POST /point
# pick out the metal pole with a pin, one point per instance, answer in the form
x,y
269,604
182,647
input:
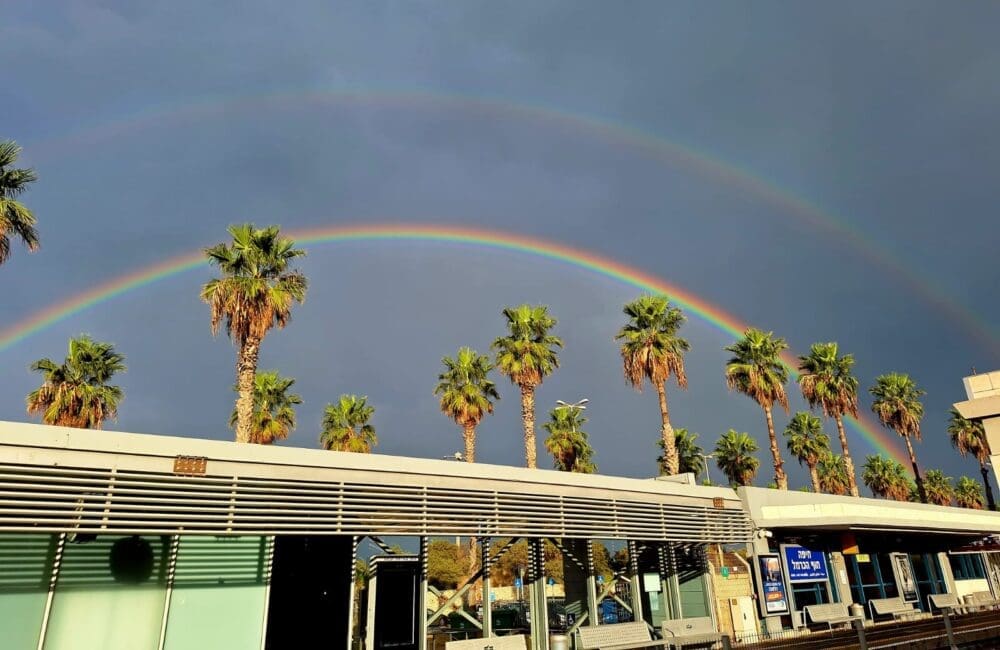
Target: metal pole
x,y
633,568
592,604
353,591
422,597
859,627
538,604
171,570
946,615
57,557
487,603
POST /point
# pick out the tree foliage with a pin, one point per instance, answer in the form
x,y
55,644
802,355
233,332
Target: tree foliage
x,y
273,408
689,454
886,478
968,493
938,488
734,456
466,393
76,392
832,473
568,442
16,220
807,442
347,427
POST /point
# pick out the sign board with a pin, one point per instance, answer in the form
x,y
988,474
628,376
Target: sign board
x,y
724,571
864,557
772,595
804,565
600,579
905,582
517,583
651,582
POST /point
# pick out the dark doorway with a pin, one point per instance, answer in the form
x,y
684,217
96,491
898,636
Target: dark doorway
x,y
310,593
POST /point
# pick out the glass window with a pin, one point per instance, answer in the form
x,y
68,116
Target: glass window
x,y
967,566
25,571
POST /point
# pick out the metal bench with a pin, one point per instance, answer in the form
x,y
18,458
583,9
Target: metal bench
x,y
618,636
829,613
895,607
943,601
518,642
692,631
980,600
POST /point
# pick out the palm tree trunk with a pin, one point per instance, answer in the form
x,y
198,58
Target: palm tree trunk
x,y
528,418
469,435
814,475
670,459
986,483
852,482
916,470
779,465
246,370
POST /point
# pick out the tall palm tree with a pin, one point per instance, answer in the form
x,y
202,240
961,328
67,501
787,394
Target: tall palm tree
x,y
527,355
567,441
346,426
897,406
826,381
969,437
254,294
690,455
968,494
734,456
756,371
807,442
832,473
651,349
76,393
15,218
938,488
273,408
467,393
885,478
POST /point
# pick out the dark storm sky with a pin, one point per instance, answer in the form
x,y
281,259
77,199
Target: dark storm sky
x,y
154,125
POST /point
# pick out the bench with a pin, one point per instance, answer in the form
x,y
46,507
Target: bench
x,y
692,631
829,613
980,600
895,607
518,642
943,601
617,636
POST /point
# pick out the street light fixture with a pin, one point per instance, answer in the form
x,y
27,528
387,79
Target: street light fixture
x,y
708,476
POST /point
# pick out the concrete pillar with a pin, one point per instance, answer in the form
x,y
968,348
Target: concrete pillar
x,y
839,577
536,594
636,580
575,579
949,578
422,597
484,544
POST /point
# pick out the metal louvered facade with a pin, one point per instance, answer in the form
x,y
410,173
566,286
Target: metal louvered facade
x,y
60,480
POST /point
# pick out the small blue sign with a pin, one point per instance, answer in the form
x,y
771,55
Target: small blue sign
x,y
552,581
804,565
517,582
600,580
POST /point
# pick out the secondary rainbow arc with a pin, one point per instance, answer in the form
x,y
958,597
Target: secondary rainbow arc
x,y
579,258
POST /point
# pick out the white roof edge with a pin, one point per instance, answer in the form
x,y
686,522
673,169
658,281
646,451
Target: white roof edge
x,y
44,436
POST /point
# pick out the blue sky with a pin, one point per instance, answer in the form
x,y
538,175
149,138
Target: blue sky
x,y
883,115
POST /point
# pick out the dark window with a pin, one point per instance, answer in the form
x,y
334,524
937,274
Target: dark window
x,y
967,566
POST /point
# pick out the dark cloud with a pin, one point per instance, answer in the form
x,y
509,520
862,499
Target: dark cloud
x,y
152,129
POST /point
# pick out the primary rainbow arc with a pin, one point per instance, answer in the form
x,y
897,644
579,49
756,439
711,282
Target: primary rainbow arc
x,y
587,260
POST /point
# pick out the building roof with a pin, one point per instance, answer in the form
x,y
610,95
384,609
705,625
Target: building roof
x,y
64,480
776,509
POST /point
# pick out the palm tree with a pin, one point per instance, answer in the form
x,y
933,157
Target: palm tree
x,y
969,437
885,478
938,488
567,441
651,349
15,219
346,426
897,406
273,408
807,442
76,392
968,494
255,294
756,371
734,456
690,456
832,473
527,355
826,381
467,393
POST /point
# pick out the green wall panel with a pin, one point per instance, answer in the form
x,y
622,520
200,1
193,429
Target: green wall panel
x,y
110,595
694,597
218,595
25,570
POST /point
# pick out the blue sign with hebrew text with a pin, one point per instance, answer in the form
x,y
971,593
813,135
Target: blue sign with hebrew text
x,y
804,565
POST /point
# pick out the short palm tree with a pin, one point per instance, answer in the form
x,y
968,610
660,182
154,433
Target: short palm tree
x,y
734,456
651,349
76,393
467,393
826,381
832,473
807,442
16,219
938,488
255,293
690,455
969,437
527,355
346,426
968,494
897,406
756,371
886,478
273,408
567,441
